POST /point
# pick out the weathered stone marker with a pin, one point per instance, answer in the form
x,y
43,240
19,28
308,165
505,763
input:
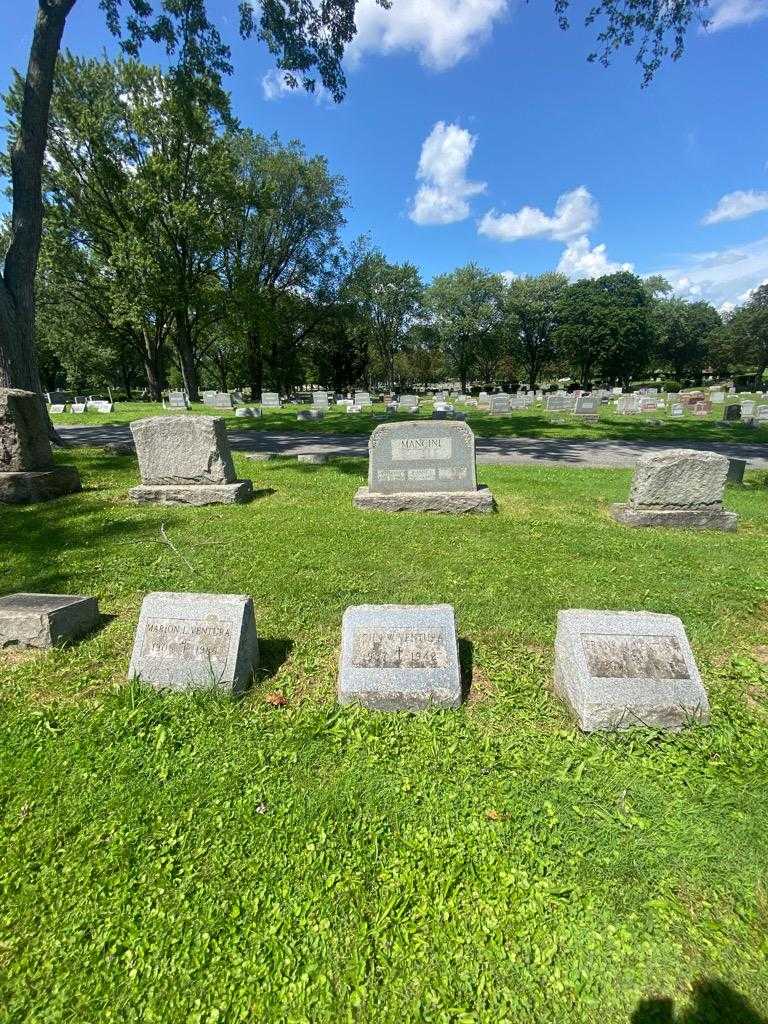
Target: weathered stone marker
x,y
186,461
195,642
270,400
678,488
620,669
42,620
398,657
423,466
27,470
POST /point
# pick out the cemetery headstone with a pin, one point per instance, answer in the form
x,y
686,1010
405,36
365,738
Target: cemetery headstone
x,y
747,409
60,397
27,470
678,410
42,620
78,407
270,399
178,400
423,466
717,397
499,405
362,398
616,670
247,412
731,413
313,458
186,461
400,657
320,399
56,408
678,488
736,468
195,642
587,405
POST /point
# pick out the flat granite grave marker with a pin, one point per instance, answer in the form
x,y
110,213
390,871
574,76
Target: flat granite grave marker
x,y
195,642
186,461
620,669
42,620
27,470
678,488
423,466
400,657
270,399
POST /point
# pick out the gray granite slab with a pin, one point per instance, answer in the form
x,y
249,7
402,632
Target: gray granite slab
x,y
237,493
24,442
419,456
195,642
183,450
447,502
616,670
30,488
400,657
42,620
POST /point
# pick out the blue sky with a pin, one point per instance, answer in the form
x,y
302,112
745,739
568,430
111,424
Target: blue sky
x,y
476,130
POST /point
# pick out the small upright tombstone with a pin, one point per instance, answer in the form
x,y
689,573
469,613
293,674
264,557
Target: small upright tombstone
x,y
320,399
423,466
398,657
270,399
499,405
731,413
195,642
177,400
616,670
43,620
27,470
678,488
186,461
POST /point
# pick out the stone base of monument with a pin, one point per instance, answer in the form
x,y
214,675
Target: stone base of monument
x,y
681,518
43,485
192,494
42,620
616,670
448,502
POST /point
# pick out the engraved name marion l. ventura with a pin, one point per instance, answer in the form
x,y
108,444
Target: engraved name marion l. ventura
x,y
189,639
399,648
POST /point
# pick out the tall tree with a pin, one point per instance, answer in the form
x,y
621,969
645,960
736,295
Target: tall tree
x,y
281,227
685,330
531,306
389,299
304,37
467,307
747,334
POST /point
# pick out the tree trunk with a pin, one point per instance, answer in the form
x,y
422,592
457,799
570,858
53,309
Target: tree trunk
x,y
18,358
185,348
255,363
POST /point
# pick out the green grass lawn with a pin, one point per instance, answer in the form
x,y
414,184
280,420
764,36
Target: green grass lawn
x,y
191,860
528,423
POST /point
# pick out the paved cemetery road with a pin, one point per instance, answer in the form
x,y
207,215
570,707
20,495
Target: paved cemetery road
x,y
520,451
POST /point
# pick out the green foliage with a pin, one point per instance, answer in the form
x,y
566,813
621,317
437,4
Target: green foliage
x,y
533,305
194,859
467,308
685,332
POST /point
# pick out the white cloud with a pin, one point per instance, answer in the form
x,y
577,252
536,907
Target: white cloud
x,y
576,213
274,86
737,206
723,278
730,13
581,259
441,32
445,155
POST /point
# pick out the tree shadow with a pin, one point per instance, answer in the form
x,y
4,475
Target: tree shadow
x,y
712,1002
466,661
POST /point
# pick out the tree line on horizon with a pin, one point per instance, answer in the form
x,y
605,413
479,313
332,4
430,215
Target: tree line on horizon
x,y
180,249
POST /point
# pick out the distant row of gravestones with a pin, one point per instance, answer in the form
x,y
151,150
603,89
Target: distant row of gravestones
x,y
613,669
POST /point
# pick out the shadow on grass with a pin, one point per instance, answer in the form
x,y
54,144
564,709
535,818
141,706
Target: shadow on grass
x,y
466,661
273,653
713,1002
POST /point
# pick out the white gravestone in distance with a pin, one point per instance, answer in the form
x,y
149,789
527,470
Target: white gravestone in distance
x,y
620,669
177,400
423,466
186,461
499,405
270,400
400,657
678,488
56,408
42,620
195,642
